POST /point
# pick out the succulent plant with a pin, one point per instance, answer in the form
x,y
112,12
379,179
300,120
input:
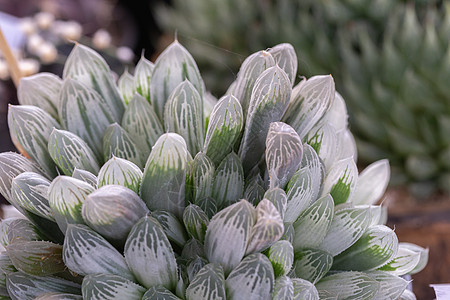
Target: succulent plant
x,y
174,195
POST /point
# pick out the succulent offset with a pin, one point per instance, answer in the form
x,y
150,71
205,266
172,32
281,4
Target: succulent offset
x,y
153,189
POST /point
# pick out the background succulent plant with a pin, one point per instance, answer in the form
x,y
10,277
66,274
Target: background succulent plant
x,y
172,194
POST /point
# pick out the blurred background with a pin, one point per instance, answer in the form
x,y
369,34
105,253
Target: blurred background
x,y
390,60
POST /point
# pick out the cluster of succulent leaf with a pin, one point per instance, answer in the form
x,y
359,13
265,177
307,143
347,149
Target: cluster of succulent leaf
x,y
391,60
153,189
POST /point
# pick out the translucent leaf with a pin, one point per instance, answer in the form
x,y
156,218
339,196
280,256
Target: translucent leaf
x,y
59,296
252,279
311,264
117,142
286,58
126,86
407,295
172,227
85,113
159,293
122,172
347,227
88,67
195,266
149,255
228,186
372,183
4,229
391,286
278,198
37,258
299,194
29,191
403,263
423,256
337,115
31,127
173,66
66,196
201,176
142,124
19,230
269,100
268,227
325,142
312,161
85,176
109,286
375,248
163,183
281,255
346,145
347,285
303,289
313,224
85,252
69,151
283,289
224,128
209,283
208,205
112,211
284,151
195,221
142,77
40,90
228,234
183,114
341,180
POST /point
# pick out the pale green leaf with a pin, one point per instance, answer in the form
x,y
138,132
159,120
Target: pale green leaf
x,y
122,172
325,142
171,226
142,77
209,283
312,161
304,290
286,58
278,198
347,285
126,86
391,286
300,194
341,180
281,255
228,186
195,221
283,289
337,115
423,256
311,264
159,293
372,183
117,142
19,230
346,145
109,286
85,176
200,180
59,296
403,263
208,205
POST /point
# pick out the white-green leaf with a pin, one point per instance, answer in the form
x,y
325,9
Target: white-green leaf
x,y
313,224
372,183
375,248
66,196
337,115
59,296
228,184
149,255
423,256
18,230
117,142
4,231
341,180
228,234
284,151
201,176
347,285
286,58
304,290
163,183
208,205
403,263
325,142
126,86
31,127
195,266
195,221
407,295
209,283
88,67
172,227
69,151
312,161
309,104
173,66
109,286
300,194
346,145
252,279
159,293
254,190
86,252
311,264
183,114
269,100
224,128
391,286
112,211
278,198
281,255
40,90
85,176
122,172
283,289
142,77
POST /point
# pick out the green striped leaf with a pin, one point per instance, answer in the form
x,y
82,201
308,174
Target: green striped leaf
x,y
112,211
413,247
209,283
86,252
286,58
347,285
117,142
341,180
149,255
173,66
313,224
4,228
195,221
228,186
284,151
312,99
122,172
209,101
26,287
109,286
403,263
372,183
126,86
69,151
66,196
304,290
31,127
37,258
268,228
324,140
159,293
85,113
228,234
40,90
347,227
254,190
299,194
166,167
142,77
288,232
281,255
269,100
391,286
6,267
19,230
195,266
252,279
142,124
88,67
311,264
200,179
283,289
192,250
59,296
172,227
374,249
278,198
85,176
29,191
224,128
312,161
208,205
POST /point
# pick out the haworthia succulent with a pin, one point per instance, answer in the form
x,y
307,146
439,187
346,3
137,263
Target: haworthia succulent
x,y
278,198
59,296
408,295
283,289
110,286
120,171
303,289
372,183
423,255
195,221
209,283
403,263
341,180
281,255
85,176
142,76
324,140
312,161
391,286
195,266
286,58
254,189
311,264
19,230
158,293
201,176
337,115
126,86
346,145
149,255
171,226
228,186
